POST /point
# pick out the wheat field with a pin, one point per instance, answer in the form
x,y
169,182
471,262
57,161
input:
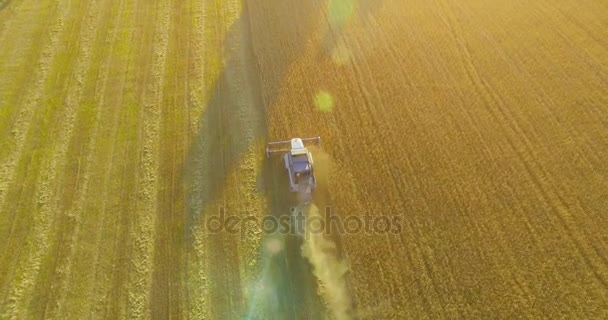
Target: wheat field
x,y
481,126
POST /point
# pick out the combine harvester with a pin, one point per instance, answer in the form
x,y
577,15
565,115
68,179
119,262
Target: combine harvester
x,y
299,164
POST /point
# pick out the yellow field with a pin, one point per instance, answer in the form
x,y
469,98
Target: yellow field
x,y
481,126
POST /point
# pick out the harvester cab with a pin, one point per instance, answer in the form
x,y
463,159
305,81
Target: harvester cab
x,y
298,162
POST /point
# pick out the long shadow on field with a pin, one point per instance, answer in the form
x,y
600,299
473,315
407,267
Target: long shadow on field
x,y
259,48
235,117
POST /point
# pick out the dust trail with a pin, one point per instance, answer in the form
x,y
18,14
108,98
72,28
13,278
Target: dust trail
x,y
320,249
328,267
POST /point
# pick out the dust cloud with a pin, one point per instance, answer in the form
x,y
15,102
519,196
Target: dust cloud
x,y
329,268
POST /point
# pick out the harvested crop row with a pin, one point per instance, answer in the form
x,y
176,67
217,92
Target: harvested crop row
x,y
29,248
143,230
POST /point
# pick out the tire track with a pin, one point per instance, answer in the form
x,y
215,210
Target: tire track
x,y
375,122
392,51
543,189
535,171
411,153
544,98
517,281
545,174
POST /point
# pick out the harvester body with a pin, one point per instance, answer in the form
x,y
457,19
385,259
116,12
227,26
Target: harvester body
x,y
298,162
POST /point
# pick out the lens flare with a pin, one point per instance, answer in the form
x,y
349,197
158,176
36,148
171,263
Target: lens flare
x,y
341,54
274,246
324,101
340,11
